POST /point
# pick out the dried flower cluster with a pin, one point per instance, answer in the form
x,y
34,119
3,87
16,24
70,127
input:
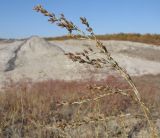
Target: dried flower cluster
x,y
61,21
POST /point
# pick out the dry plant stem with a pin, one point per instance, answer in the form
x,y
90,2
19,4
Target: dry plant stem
x,y
122,122
125,75
122,72
22,112
100,96
64,23
137,95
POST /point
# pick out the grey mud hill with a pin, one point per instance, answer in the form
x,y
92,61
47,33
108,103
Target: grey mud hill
x,y
38,59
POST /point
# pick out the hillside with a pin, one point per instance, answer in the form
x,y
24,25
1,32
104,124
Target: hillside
x,y
38,59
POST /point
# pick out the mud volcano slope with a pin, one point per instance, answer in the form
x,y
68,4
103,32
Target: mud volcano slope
x,y
35,50
37,59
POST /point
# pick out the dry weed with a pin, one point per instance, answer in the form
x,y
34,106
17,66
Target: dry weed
x,y
84,57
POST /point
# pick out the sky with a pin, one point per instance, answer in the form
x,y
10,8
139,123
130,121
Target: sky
x,y
18,20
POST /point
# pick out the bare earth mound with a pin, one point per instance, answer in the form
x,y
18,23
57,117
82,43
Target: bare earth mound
x,y
38,59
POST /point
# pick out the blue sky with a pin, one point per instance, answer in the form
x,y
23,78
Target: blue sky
x,y
18,20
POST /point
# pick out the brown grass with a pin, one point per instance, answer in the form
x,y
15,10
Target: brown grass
x,y
153,39
28,109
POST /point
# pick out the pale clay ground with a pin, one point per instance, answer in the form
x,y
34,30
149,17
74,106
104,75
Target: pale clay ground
x,y
38,59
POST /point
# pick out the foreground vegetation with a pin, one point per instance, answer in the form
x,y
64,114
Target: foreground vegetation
x,y
143,38
40,109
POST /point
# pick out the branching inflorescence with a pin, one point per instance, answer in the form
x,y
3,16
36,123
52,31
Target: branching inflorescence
x,y
84,57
